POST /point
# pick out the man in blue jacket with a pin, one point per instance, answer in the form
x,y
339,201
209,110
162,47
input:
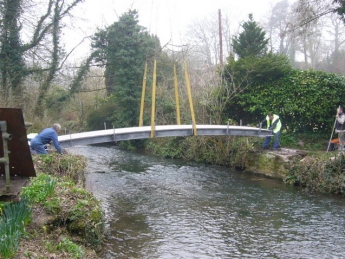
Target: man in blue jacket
x,y
46,136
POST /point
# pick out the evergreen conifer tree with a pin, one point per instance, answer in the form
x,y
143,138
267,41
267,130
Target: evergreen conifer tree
x,y
123,49
250,42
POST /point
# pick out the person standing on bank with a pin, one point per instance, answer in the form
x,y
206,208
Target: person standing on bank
x,y
46,136
340,127
274,124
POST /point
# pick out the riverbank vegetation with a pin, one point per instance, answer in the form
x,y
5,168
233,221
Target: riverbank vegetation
x,y
221,150
55,216
322,172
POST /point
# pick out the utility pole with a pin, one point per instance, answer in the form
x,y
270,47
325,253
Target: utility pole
x,y
220,38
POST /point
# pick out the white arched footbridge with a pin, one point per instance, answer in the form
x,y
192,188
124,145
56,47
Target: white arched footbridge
x,y
119,134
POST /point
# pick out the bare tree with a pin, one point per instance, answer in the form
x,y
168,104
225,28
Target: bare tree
x,y
301,31
203,38
279,26
30,44
335,33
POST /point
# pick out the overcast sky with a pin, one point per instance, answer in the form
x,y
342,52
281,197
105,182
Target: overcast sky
x,y
168,19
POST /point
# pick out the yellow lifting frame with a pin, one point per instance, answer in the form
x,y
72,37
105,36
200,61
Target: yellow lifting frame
x,y
153,110
190,98
143,97
177,100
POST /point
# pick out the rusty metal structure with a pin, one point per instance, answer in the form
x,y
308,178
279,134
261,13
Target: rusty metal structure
x,y
16,165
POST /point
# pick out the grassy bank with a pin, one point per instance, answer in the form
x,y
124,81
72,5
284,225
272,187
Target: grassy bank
x,y
62,220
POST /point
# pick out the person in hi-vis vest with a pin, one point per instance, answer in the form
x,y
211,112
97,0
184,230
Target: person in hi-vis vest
x,y
274,124
340,127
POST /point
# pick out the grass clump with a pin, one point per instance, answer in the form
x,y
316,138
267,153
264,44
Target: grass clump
x,y
70,247
68,166
40,189
66,246
15,216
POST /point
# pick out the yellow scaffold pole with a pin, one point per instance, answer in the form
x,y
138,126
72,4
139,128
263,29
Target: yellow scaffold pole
x,y
143,97
153,101
190,98
177,100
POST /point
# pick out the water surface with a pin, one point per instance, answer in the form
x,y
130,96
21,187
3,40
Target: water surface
x,y
160,208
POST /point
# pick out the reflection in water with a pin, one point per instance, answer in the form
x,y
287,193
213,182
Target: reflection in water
x,y
159,208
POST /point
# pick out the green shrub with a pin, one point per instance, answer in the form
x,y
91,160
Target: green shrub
x,y
298,98
320,173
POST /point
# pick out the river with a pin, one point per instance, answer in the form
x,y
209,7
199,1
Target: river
x,y
161,208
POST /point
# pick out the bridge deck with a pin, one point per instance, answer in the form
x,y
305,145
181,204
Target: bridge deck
x,y
113,135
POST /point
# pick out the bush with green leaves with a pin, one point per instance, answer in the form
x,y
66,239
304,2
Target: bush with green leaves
x,y
305,100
